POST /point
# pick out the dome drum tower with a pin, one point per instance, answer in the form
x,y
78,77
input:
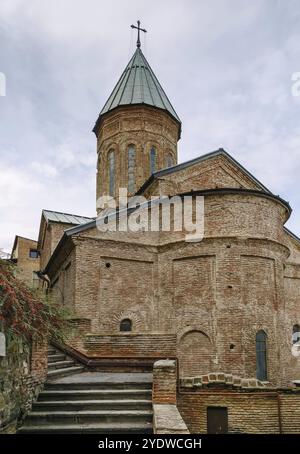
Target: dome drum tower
x,y
137,130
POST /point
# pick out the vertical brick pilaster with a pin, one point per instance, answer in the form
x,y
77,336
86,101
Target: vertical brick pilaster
x,y
164,382
39,359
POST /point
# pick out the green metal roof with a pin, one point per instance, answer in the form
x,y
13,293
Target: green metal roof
x,y
65,218
138,85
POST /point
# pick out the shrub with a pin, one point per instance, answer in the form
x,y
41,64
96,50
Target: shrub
x,y
25,313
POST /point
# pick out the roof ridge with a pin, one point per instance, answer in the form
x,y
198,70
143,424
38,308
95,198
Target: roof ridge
x,y
192,161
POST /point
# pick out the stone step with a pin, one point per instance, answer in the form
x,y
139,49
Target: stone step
x,y
52,351
70,417
100,428
100,394
64,371
84,405
98,385
61,364
56,357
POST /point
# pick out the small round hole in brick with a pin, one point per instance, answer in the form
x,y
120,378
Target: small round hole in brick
x,y
108,265
232,346
228,246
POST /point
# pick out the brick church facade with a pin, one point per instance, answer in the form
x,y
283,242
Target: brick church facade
x,y
226,308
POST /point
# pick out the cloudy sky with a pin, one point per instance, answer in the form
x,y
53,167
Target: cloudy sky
x,y
226,65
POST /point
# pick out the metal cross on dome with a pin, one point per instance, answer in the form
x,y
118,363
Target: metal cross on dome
x,y
138,42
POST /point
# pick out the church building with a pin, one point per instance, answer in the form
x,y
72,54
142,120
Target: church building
x,y
225,310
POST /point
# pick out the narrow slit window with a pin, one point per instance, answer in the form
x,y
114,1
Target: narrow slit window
x,y
169,160
111,173
153,160
261,356
131,168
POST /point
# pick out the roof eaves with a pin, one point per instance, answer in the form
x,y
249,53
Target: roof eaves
x,y
250,175
293,235
102,115
64,218
80,228
15,244
55,253
23,238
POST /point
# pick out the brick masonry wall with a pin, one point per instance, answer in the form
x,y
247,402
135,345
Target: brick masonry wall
x,y
53,233
291,316
106,277
213,295
215,317
290,412
256,412
39,359
164,382
143,127
131,345
247,413
63,288
196,291
216,172
25,264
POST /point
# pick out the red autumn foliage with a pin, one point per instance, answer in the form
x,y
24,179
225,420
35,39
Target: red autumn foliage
x,y
25,313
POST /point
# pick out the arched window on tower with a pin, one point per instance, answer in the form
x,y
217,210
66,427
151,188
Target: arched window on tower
x,y
126,325
99,176
152,160
131,168
296,333
111,172
261,355
169,160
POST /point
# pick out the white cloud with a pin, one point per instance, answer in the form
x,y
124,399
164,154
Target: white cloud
x,y
226,65
44,169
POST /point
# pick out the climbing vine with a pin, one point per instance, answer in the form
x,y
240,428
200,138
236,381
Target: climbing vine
x,y
25,313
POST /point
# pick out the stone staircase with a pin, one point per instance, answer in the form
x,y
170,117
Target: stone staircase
x,y
90,402
59,365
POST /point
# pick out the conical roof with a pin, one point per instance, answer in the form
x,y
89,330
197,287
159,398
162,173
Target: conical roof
x,y
138,85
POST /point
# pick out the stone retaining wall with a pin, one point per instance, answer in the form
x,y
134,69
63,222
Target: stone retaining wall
x,y
22,373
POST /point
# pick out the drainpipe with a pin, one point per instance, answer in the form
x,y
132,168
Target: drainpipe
x,y
44,278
